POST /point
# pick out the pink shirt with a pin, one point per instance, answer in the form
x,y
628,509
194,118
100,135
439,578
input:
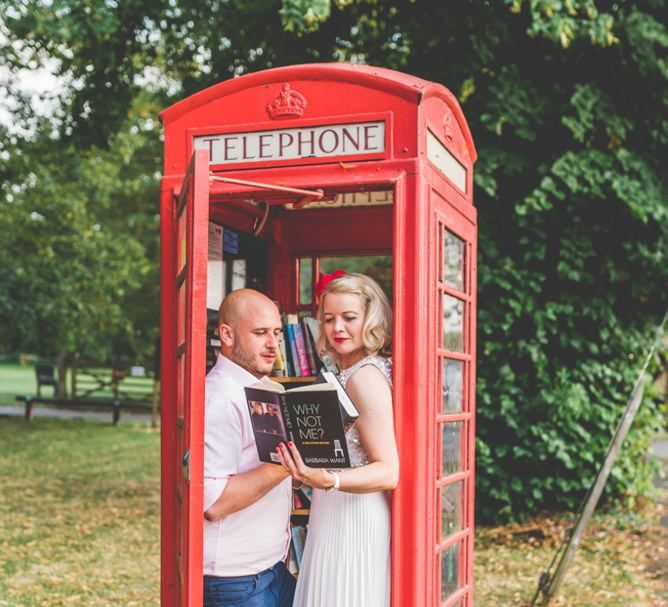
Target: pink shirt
x,y
257,537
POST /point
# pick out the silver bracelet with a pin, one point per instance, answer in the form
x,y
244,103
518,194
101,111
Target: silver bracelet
x,y
337,481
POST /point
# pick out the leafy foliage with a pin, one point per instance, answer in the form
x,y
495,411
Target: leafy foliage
x,y
77,250
566,100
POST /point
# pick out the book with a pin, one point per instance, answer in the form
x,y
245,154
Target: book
x,y
304,366
349,411
300,499
292,344
215,278
280,363
314,329
298,541
293,567
313,360
238,274
283,349
310,416
213,343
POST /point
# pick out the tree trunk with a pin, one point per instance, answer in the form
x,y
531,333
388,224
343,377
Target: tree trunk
x,y
62,375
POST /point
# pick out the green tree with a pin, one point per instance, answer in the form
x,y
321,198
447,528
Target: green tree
x,y
79,226
73,254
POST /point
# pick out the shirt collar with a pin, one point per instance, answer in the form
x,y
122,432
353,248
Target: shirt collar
x,y
225,365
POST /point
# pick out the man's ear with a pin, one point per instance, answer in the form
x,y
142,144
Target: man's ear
x,y
226,334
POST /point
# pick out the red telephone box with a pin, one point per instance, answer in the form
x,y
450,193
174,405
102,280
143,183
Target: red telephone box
x,y
303,169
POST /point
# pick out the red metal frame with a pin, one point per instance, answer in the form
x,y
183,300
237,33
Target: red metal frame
x,y
425,198
183,425
444,219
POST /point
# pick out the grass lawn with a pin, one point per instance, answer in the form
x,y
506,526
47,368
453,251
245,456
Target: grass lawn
x,y
79,514
79,527
18,379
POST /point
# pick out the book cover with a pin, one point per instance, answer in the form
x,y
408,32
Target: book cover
x,y
301,501
293,567
294,356
309,416
238,274
285,354
215,281
304,366
298,541
280,362
314,329
313,359
213,343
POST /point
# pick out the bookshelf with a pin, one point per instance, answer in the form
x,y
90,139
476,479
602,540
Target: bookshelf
x,y
295,380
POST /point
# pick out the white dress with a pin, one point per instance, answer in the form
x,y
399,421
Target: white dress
x,y
346,561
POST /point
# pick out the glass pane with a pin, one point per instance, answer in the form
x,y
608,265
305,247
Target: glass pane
x,y
451,448
180,385
452,507
181,314
379,267
452,386
453,261
305,280
450,574
181,261
453,324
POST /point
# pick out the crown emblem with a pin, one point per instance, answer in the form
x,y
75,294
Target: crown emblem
x,y
447,127
288,104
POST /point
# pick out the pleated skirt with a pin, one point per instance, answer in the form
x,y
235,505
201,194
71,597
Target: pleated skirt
x,y
346,561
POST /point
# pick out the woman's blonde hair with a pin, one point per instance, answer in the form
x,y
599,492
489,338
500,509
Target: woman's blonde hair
x,y
377,327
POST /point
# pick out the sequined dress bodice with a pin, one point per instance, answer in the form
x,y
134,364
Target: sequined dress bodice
x,y
358,456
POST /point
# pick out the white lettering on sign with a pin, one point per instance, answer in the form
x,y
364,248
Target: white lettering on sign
x,y
445,162
294,144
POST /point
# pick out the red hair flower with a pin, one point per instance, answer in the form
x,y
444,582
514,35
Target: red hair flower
x,y
325,279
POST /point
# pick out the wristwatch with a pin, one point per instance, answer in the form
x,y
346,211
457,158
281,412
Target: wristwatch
x,y
337,481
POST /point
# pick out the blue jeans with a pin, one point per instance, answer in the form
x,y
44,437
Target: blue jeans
x,y
273,587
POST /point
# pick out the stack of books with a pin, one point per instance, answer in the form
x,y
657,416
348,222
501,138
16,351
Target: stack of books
x,y
301,505
298,354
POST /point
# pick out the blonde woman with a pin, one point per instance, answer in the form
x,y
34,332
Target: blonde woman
x,y
346,561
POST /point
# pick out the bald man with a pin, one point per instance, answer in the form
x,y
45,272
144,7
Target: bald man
x,y
246,503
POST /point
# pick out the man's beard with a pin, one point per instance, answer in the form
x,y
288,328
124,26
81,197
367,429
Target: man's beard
x,y
247,360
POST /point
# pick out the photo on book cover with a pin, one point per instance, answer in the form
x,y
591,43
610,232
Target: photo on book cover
x,y
266,417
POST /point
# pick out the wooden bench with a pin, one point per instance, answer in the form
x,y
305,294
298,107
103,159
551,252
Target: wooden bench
x,y
115,406
92,381
46,376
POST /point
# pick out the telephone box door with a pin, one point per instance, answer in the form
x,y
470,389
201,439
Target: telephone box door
x,y
191,226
